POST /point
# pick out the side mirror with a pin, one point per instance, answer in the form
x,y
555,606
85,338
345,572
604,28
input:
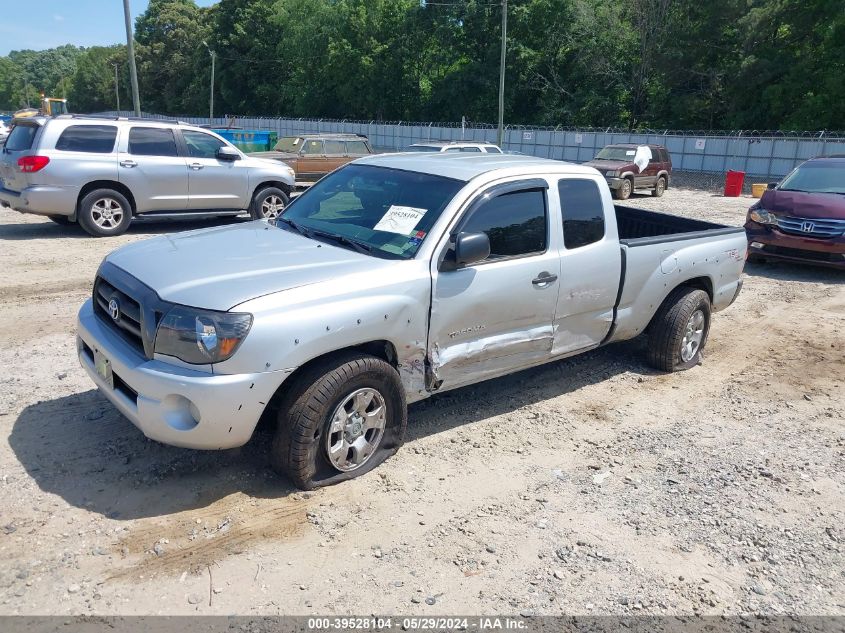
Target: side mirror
x,y
471,248
771,185
227,153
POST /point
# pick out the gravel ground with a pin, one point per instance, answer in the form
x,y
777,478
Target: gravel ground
x,y
588,486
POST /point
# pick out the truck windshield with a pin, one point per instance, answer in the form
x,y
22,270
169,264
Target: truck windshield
x,y
290,144
816,179
616,153
385,212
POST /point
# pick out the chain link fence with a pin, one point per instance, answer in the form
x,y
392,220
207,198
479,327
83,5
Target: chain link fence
x,y
700,158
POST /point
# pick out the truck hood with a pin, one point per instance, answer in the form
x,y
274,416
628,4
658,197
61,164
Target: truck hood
x,y
221,267
611,165
804,205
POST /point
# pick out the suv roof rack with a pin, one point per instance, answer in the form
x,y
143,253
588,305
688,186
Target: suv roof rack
x,y
110,117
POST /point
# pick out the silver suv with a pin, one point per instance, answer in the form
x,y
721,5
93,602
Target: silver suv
x,y
101,172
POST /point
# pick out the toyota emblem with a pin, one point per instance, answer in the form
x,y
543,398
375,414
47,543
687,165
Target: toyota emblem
x,y
114,309
808,227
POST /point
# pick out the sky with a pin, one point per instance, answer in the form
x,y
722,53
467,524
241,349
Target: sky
x,y
49,23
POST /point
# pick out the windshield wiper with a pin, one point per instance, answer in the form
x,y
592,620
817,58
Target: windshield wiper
x,y
296,227
361,247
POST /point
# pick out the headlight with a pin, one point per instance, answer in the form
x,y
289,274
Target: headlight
x,y
199,336
610,173
763,217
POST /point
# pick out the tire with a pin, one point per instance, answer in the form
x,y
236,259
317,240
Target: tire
x,y
104,212
659,188
325,393
265,203
61,220
624,192
671,346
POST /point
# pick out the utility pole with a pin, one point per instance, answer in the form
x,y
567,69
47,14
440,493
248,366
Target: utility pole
x,y
116,88
211,88
130,49
501,134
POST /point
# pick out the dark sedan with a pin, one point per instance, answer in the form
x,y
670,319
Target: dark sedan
x,y
802,218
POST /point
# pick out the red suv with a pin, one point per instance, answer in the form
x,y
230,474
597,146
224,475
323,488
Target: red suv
x,y
630,166
802,218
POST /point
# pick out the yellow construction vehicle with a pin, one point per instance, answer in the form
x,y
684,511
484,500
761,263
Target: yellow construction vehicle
x,y
50,106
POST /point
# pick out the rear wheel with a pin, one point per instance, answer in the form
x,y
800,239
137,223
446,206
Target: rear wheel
x,y
659,187
104,212
679,330
625,189
339,420
268,204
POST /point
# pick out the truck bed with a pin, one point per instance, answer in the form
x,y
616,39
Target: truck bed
x,y
638,227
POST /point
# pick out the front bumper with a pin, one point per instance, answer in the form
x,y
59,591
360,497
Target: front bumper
x,y
172,404
771,243
41,200
613,182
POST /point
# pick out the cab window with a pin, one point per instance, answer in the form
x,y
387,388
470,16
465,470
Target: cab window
x,y
583,212
516,223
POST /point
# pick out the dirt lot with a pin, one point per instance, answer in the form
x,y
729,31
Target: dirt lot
x,y
592,485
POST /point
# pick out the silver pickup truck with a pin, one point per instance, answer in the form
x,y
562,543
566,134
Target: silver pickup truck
x,y
394,278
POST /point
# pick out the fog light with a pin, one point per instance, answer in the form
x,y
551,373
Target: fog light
x,y
180,413
756,245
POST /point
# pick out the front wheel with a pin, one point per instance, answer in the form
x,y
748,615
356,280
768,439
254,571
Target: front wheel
x,y
268,204
339,420
679,330
625,190
104,212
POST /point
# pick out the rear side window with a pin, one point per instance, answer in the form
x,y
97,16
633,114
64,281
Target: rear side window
x,y
583,212
151,141
357,147
515,223
335,147
21,138
492,149
95,139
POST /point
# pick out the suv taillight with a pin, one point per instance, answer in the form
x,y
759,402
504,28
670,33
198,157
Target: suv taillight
x,y
31,164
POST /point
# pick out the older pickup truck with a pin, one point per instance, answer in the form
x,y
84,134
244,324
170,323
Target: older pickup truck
x,y
392,279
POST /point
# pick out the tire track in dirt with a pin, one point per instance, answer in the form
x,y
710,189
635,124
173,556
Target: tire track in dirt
x,y
201,537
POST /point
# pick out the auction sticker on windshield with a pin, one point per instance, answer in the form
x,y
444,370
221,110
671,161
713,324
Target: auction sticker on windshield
x,y
400,220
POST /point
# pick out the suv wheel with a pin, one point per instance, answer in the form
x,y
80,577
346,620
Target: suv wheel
x,y
659,187
625,189
104,212
339,420
268,204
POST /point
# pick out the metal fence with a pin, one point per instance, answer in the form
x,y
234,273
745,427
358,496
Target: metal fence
x,y
698,156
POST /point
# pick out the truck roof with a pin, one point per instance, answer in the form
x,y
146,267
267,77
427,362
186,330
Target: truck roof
x,y
468,166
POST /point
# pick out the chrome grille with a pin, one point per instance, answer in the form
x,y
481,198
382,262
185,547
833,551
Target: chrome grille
x,y
812,227
128,323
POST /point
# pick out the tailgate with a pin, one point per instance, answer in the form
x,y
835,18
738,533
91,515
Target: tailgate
x,y
21,142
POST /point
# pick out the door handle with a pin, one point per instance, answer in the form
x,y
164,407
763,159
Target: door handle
x,y
544,279
195,166
128,163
